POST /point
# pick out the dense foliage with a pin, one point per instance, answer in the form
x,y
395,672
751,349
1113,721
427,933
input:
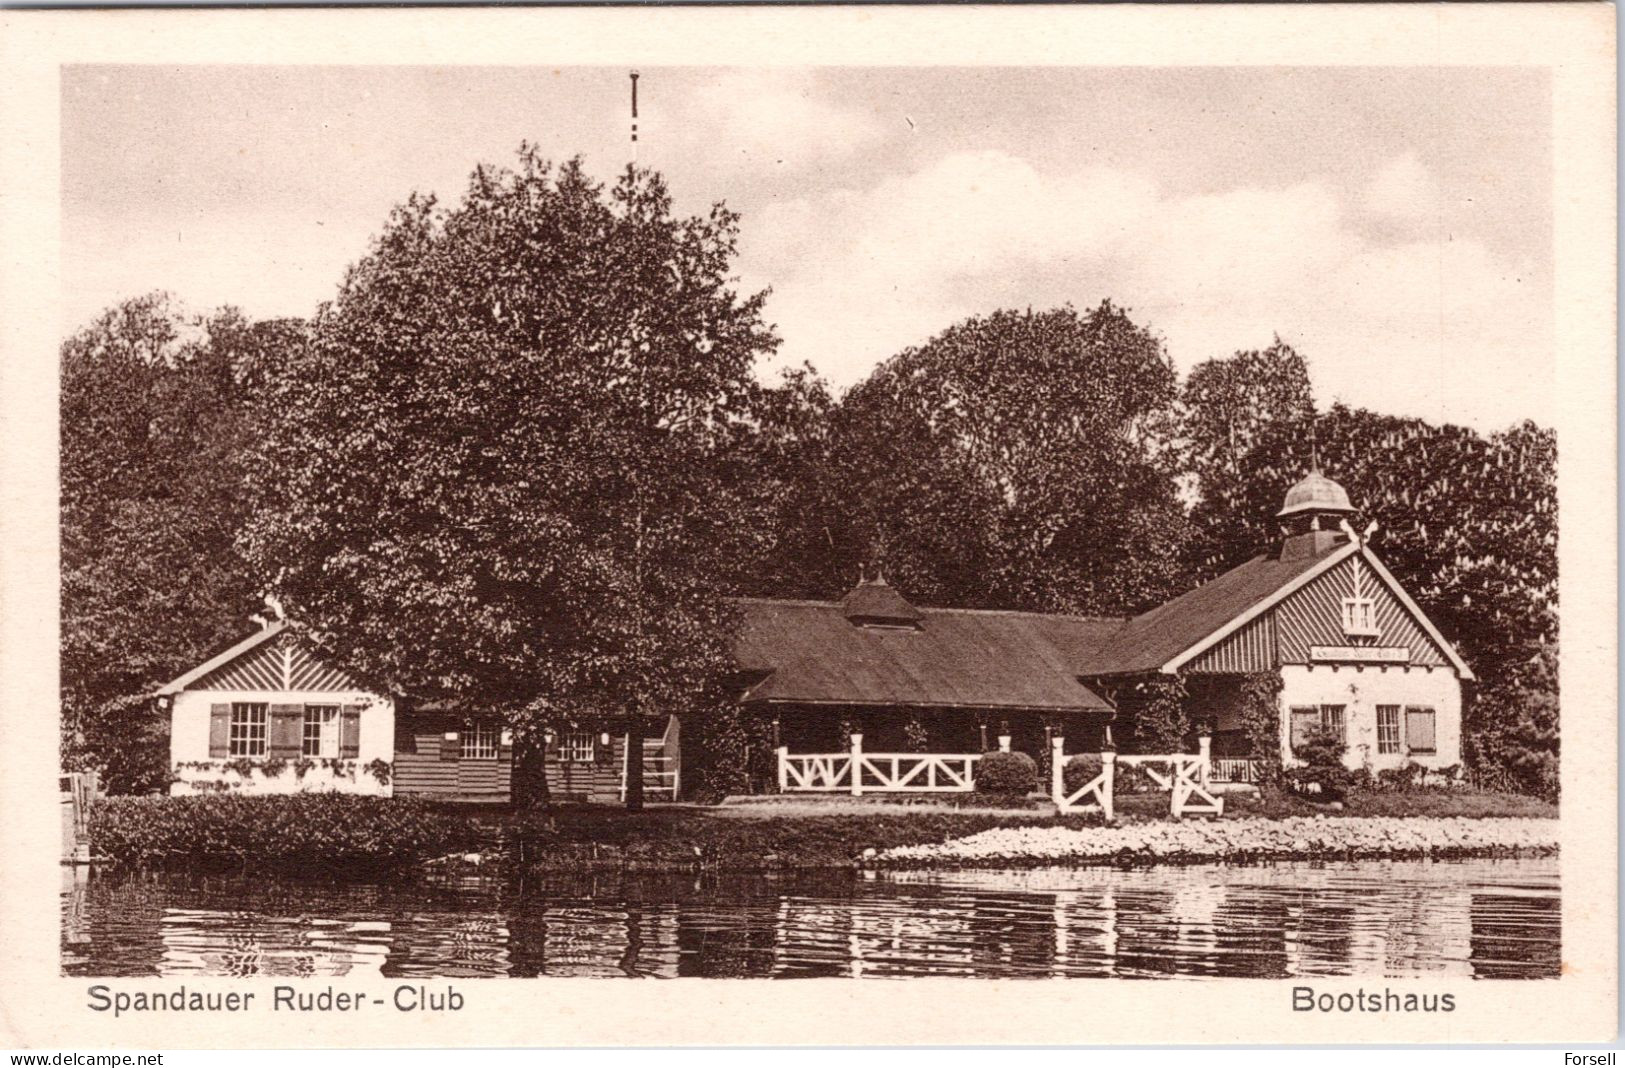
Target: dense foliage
x,y
289,834
154,417
507,469
1161,722
1321,776
1259,701
1006,773
1079,771
523,458
1017,460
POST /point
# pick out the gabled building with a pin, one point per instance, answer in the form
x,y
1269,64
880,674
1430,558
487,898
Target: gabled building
x,y
1352,650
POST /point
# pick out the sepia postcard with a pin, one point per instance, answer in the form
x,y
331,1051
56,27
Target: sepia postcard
x,y
897,520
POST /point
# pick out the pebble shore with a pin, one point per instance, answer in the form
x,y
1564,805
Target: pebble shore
x,y
1244,840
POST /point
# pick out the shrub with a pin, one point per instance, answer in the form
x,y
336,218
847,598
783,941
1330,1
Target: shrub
x,y
1006,773
1321,776
296,833
1402,779
1080,771
1133,779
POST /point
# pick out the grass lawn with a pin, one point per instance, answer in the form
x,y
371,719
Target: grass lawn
x,y
1420,804
764,836
581,836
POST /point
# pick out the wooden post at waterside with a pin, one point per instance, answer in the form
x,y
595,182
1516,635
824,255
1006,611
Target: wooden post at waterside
x,y
1204,746
1057,761
1108,767
857,764
784,769
633,763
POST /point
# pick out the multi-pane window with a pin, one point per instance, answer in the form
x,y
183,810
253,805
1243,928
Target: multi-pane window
x,y
1331,718
1359,617
1387,728
321,738
480,742
577,746
248,729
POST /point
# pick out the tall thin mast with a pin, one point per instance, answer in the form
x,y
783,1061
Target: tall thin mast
x,y
634,118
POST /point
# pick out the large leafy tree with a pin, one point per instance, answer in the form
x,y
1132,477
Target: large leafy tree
x,y
154,412
506,468
1017,460
1234,411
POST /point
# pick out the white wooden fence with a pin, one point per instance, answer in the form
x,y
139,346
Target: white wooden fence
x,y
1185,776
856,772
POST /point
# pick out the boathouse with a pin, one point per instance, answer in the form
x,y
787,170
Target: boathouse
x,y
1317,609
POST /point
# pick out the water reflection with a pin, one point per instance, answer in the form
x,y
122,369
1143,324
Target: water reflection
x,y
1489,919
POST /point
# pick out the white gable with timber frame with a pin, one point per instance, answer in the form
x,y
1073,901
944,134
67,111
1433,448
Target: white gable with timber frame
x,y
1303,623
267,661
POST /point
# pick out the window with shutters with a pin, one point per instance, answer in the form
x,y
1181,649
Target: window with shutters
x,y
1360,617
480,742
1387,728
248,729
1419,730
321,731
578,747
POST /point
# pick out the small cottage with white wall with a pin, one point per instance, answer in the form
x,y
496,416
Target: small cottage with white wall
x,y
266,717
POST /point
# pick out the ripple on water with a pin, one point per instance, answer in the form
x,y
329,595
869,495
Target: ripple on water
x,y
1483,918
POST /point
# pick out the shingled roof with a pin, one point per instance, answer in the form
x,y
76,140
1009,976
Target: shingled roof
x,y
818,651
1151,640
811,652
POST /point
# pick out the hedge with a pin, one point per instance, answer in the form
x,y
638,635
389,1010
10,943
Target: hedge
x,y
1006,773
314,832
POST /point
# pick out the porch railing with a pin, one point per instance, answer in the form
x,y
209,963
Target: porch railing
x,y
1234,769
856,772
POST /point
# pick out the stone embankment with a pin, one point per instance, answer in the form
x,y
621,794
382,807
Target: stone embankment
x,y
1195,841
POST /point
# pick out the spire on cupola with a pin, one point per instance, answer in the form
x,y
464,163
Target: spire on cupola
x,y
1314,516
1315,503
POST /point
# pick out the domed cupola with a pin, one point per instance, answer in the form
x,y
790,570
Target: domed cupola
x,y
1315,503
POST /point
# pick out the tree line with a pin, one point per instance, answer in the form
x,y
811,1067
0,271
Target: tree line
x,y
524,459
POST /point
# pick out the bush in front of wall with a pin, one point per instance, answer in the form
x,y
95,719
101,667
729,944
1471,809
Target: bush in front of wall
x,y
1322,776
301,833
1006,773
380,769
1079,771
1260,704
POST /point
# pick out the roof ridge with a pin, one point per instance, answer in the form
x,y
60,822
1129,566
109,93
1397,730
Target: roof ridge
x,y
810,603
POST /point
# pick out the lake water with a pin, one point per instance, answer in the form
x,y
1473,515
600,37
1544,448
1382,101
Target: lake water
x,y
1496,919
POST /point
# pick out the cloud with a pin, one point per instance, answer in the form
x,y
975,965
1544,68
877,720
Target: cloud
x,y
1404,189
765,117
1436,328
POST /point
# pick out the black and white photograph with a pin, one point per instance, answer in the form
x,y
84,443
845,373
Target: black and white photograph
x,y
813,521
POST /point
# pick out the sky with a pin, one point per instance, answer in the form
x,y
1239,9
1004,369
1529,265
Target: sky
x,y
1394,225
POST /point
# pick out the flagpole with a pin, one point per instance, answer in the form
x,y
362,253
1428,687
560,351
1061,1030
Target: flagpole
x,y
634,75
